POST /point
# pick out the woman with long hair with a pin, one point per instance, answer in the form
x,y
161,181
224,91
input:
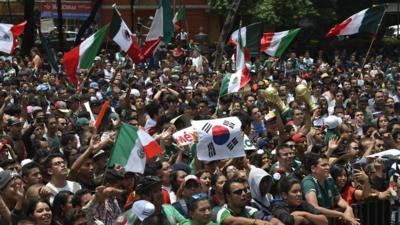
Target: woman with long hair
x,y
348,192
62,204
39,210
217,194
293,210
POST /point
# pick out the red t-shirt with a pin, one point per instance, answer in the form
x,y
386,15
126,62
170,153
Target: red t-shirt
x,y
348,194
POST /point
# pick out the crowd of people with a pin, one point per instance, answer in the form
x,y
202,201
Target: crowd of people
x,y
310,164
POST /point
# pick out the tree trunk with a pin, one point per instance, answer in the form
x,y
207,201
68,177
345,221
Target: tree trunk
x,y
60,25
88,21
132,2
230,19
29,34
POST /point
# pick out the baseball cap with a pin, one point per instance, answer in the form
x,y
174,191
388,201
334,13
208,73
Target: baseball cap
x,y
42,87
324,75
297,137
146,183
13,121
94,101
332,122
143,209
182,166
98,154
82,121
61,106
94,85
191,178
5,177
73,98
26,161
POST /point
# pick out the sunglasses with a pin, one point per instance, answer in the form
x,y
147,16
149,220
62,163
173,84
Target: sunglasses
x,y
200,196
241,191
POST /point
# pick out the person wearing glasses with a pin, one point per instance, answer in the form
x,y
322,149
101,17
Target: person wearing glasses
x,y
200,210
57,168
236,211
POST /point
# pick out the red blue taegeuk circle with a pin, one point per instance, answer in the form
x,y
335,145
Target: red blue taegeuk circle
x,y
220,134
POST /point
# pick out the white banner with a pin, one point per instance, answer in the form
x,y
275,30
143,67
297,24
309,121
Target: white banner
x,y
219,138
185,136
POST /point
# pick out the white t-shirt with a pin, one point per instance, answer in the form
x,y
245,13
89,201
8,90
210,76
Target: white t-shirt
x,y
71,186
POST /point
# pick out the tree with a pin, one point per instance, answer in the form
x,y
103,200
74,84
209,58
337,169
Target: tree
x,y
230,18
285,14
60,24
28,40
88,21
223,7
279,13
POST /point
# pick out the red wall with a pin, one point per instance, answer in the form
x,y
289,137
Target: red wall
x,y
196,14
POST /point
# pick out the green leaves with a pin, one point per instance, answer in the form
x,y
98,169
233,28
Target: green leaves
x,y
279,13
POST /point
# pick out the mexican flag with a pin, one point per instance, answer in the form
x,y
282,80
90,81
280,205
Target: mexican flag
x,y
366,21
82,56
233,82
275,44
161,29
251,36
120,34
132,148
179,18
8,34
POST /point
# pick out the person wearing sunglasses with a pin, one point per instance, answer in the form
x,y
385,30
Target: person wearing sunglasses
x,y
200,210
236,211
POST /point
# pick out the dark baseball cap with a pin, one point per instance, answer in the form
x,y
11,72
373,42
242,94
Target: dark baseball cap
x,y
13,121
146,182
5,177
73,98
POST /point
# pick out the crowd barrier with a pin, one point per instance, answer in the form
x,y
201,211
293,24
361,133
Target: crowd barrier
x,y
373,213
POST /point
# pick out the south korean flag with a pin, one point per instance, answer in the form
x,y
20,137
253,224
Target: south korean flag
x,y
219,139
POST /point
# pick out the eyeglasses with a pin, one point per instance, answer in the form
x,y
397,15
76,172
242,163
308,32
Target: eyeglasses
x,y
241,191
200,196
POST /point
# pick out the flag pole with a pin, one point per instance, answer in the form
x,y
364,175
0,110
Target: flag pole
x,y
112,151
374,36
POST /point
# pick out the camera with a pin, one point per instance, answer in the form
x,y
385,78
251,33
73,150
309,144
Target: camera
x,y
41,120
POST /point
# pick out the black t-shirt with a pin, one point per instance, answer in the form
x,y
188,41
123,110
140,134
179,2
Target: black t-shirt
x,y
281,210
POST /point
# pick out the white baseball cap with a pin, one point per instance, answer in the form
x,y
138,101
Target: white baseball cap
x,y
143,209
